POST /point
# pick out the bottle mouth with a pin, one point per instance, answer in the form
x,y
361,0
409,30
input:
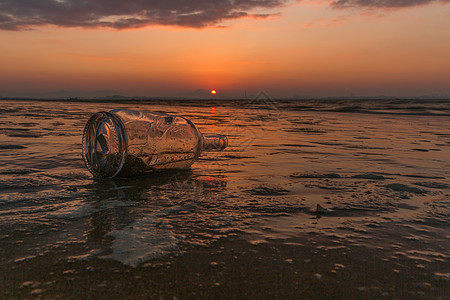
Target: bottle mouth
x,y
104,145
216,142
223,142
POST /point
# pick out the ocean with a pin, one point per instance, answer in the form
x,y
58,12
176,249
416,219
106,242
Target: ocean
x,y
316,199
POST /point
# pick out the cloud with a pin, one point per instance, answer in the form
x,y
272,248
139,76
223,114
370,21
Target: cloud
x,y
126,14
383,4
123,14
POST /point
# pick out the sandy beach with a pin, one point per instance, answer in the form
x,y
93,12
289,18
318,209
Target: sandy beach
x,y
311,200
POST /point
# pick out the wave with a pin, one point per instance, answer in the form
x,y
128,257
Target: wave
x,y
394,106
364,106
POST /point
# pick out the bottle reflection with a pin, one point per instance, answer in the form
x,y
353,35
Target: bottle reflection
x,y
140,208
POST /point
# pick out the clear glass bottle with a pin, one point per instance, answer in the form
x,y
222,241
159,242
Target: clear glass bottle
x,y
127,143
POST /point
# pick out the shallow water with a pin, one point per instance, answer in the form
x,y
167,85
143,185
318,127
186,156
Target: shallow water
x,y
369,180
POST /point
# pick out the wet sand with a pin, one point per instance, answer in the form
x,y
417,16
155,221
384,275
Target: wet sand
x,y
328,202
307,266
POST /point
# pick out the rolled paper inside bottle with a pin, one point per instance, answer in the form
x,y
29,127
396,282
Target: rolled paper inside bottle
x,y
104,145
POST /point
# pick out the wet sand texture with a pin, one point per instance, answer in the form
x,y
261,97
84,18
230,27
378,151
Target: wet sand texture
x,y
311,200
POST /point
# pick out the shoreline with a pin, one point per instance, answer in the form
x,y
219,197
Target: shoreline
x,y
309,205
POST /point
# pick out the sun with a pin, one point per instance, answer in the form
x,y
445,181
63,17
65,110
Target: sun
x,y
213,92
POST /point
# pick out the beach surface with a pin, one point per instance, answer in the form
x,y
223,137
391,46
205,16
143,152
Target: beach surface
x,y
317,199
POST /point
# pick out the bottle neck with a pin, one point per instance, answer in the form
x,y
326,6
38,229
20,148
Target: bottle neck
x,y
214,142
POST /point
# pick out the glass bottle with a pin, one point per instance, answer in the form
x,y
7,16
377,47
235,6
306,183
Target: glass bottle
x,y
126,143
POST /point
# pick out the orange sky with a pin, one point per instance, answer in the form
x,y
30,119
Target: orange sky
x,y
309,48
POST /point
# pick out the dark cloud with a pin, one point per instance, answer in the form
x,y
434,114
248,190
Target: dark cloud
x,y
121,14
382,3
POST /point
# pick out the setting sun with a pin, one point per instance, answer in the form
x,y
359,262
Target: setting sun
x,y
213,92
